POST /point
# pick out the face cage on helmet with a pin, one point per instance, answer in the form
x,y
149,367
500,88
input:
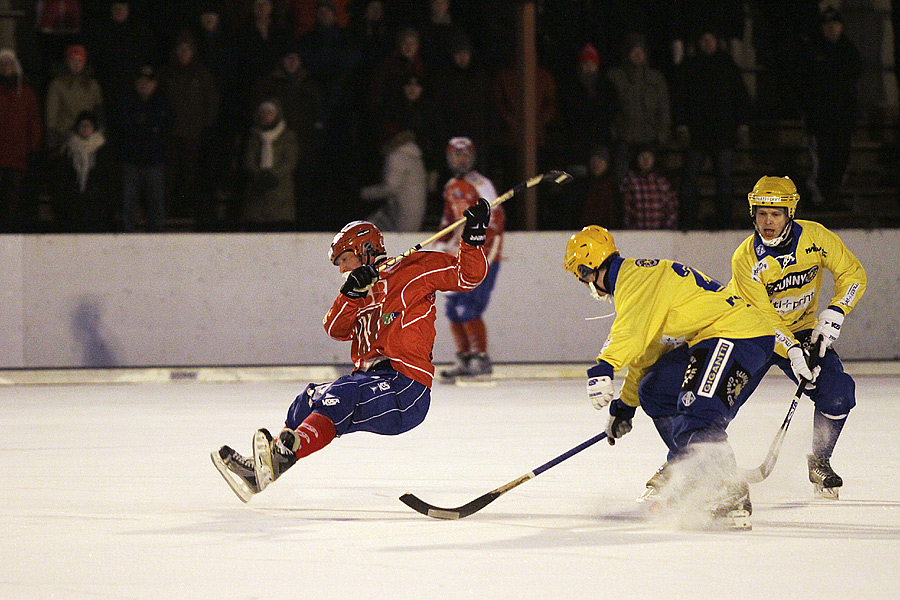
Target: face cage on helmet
x,y
584,271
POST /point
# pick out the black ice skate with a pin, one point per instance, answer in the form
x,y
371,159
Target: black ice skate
x,y
270,459
237,470
826,482
459,369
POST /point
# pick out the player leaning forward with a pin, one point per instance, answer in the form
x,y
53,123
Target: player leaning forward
x,y
779,270
388,317
729,342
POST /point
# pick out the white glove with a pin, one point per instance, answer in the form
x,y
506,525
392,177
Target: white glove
x,y
600,391
799,365
828,328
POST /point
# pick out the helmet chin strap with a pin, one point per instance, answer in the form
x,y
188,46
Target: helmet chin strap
x,y
779,239
606,298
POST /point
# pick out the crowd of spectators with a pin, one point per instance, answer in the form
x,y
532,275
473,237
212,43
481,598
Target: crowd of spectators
x,y
297,115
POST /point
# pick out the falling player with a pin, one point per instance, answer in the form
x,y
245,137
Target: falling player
x,y
728,341
779,270
388,317
465,309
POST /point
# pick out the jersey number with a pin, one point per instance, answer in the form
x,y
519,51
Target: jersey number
x,y
704,282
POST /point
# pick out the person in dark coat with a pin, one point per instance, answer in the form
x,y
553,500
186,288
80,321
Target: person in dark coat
x,y
300,99
119,45
142,121
712,107
85,179
191,91
831,71
20,136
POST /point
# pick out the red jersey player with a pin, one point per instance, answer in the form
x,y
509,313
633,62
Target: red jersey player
x,y
388,317
465,309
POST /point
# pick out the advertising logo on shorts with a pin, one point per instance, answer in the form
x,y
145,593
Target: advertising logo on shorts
x,y
714,369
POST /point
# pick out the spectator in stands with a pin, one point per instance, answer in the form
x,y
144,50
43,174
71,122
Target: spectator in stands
x,y
642,100
394,71
403,188
712,107
599,197
464,93
648,200
831,70
695,17
300,98
331,56
20,136
142,121
261,41
507,97
68,95
303,14
216,50
371,33
270,159
191,92
437,35
589,106
58,26
119,44
85,179
414,110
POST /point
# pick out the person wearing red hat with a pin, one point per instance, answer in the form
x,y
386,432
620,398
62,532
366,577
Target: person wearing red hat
x,y
69,94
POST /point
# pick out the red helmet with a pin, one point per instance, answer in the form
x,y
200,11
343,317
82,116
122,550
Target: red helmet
x,y
360,237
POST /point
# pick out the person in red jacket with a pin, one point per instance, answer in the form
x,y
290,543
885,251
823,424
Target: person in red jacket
x,y
20,134
387,313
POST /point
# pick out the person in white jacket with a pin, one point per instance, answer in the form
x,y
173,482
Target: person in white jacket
x,y
404,187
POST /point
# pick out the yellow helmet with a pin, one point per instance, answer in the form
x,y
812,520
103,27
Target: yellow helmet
x,y
776,192
588,249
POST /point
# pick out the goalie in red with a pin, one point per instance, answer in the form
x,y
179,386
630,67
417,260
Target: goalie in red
x,y
388,316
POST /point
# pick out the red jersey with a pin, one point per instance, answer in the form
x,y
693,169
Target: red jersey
x,y
459,194
396,319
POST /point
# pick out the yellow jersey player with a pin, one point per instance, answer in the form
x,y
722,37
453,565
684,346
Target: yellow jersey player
x,y
729,342
779,270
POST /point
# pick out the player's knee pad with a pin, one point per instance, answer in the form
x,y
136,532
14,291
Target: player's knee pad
x,y
835,393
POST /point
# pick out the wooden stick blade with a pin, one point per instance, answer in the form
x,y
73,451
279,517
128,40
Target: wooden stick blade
x,y
448,514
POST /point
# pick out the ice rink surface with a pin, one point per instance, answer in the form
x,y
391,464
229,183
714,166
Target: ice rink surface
x,y
108,493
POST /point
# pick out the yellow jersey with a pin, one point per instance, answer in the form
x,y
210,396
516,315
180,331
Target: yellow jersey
x,y
785,284
662,303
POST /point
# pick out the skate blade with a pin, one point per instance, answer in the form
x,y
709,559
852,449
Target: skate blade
x,y
650,494
262,459
476,380
237,485
737,520
824,493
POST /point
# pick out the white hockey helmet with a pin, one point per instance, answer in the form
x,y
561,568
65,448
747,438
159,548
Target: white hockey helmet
x,y
460,155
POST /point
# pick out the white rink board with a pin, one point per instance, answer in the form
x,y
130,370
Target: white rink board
x,y
239,299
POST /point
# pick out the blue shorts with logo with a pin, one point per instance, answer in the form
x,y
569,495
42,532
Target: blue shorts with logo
x,y
693,393
382,401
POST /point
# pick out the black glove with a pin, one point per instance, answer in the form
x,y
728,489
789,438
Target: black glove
x,y
359,282
478,217
620,415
